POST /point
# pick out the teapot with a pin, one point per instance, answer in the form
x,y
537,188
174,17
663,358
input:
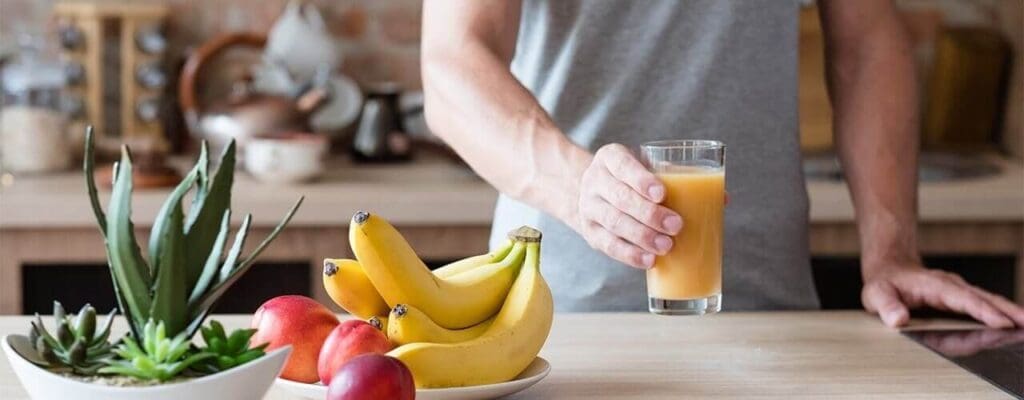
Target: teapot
x,y
247,113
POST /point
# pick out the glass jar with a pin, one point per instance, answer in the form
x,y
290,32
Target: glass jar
x,y
33,112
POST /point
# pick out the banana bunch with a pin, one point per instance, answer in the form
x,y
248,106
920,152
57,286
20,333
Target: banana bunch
x,y
476,321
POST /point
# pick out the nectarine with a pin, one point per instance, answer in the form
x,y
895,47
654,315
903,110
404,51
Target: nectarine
x,y
372,377
299,321
348,340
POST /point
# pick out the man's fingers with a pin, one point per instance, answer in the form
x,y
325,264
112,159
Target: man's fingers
x,y
883,299
1010,309
960,298
625,198
628,228
625,167
619,249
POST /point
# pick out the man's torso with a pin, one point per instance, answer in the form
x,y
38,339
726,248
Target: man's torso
x,y
635,71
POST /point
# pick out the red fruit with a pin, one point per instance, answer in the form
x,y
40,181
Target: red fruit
x,y
349,339
372,377
299,321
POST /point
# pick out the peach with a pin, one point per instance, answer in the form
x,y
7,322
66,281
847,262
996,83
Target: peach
x,y
348,340
372,377
299,321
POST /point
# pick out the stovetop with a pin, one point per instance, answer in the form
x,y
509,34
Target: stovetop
x,y
995,355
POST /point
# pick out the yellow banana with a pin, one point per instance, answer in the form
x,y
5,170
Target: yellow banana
x,y
381,322
347,284
351,289
407,324
503,351
473,262
400,277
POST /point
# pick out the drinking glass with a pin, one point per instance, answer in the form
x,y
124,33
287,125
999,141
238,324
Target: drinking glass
x,y
688,279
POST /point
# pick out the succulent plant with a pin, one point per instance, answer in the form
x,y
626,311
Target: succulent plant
x,y
77,347
184,276
229,350
158,358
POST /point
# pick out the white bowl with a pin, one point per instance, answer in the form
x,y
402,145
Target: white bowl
x,y
536,371
246,382
286,158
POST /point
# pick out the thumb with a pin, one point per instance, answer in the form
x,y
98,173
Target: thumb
x,y
882,298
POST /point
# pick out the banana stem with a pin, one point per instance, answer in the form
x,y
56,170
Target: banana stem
x,y
525,234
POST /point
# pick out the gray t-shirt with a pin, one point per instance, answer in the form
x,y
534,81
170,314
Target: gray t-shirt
x,y
621,71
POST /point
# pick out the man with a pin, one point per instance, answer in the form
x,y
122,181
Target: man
x,y
546,99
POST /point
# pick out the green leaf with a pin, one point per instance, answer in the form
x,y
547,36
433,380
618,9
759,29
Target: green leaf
x,y
273,235
58,312
131,347
170,301
212,261
105,332
89,162
248,356
43,333
159,231
85,322
131,274
189,361
203,183
217,328
209,299
216,345
201,233
236,249
238,341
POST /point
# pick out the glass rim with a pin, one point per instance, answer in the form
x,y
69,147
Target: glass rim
x,y
703,144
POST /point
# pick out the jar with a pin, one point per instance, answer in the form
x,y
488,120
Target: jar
x,y
33,121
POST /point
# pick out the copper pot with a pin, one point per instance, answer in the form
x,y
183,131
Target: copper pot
x,y
246,114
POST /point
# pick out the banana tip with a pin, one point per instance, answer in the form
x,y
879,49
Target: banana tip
x,y
360,217
330,268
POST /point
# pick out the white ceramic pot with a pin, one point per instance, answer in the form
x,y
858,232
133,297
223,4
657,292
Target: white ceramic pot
x,y
288,158
247,382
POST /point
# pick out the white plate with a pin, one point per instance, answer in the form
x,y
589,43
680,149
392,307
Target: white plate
x,y
536,371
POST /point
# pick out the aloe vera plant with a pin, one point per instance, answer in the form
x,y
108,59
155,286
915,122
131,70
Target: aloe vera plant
x,y
187,270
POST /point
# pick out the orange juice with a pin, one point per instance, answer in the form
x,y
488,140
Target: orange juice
x,y
693,268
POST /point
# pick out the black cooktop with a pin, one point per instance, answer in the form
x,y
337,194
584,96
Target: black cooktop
x,y
995,355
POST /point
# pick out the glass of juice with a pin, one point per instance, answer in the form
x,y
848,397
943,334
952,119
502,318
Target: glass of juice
x,y
688,279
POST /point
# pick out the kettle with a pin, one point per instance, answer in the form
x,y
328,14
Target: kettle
x,y
380,135
246,114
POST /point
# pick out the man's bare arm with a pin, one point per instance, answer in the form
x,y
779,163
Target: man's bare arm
x,y
478,107
873,89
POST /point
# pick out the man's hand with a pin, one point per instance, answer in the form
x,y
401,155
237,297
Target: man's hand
x,y
896,288
618,208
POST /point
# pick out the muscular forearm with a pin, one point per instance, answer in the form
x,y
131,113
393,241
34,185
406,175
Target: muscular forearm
x,y
475,104
872,82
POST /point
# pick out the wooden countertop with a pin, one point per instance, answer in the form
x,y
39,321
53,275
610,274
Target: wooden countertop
x,y
769,355
434,192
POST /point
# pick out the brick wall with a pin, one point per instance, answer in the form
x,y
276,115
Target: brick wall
x,y
379,37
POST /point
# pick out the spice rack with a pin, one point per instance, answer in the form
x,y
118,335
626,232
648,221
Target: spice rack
x,y
114,53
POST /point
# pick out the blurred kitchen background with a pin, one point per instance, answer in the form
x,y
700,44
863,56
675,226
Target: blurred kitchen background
x,y
324,99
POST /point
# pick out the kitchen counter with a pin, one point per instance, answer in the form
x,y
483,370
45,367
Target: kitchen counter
x,y
445,211
437,192
769,355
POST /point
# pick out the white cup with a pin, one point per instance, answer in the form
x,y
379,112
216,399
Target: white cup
x,y
286,158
